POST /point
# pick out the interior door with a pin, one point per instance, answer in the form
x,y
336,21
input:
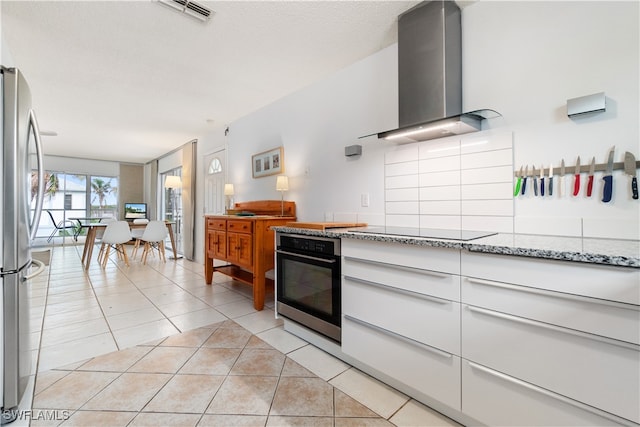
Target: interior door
x,y
215,167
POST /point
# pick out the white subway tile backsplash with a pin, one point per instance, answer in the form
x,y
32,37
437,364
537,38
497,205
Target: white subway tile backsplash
x,y
401,153
487,175
445,192
500,190
402,208
439,178
553,226
447,222
469,177
451,207
486,141
487,159
404,181
402,194
488,223
440,148
606,228
450,163
488,207
403,168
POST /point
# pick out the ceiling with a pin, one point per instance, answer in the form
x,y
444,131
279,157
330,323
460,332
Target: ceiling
x,y
132,80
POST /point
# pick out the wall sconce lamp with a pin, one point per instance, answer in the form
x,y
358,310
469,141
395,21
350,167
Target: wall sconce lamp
x,y
282,185
228,192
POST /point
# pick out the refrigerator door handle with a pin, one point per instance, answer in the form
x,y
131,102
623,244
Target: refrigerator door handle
x,y
40,269
33,123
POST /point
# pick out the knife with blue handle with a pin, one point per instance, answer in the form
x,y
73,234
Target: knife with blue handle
x,y
541,181
524,180
608,178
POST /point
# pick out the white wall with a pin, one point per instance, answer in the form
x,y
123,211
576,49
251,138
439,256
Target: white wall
x,y
314,125
523,59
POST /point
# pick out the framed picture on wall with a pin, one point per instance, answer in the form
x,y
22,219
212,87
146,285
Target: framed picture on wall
x,y
269,162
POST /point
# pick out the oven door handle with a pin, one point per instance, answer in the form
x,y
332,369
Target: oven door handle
x,y
328,261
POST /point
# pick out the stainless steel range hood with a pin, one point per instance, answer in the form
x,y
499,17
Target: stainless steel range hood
x,y
430,75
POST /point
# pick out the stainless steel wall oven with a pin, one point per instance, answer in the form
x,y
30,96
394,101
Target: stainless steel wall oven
x,y
308,282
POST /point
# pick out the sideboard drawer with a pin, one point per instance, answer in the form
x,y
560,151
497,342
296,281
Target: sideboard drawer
x,y
216,224
239,226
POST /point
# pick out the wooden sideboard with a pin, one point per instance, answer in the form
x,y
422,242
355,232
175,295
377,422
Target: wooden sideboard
x,y
246,244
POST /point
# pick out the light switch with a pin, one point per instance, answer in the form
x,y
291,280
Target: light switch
x,y
364,200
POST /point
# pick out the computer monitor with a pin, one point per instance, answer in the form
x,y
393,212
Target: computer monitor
x,y
135,210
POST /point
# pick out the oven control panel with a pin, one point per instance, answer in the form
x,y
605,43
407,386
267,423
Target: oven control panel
x,y
311,245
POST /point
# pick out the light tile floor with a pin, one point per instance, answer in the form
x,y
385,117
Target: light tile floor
x,y
154,345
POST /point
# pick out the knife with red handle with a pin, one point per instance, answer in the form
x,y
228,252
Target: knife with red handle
x,y
592,169
576,182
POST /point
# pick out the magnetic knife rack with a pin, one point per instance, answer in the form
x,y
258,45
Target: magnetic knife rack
x,y
570,170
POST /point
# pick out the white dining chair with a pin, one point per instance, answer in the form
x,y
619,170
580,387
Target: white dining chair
x,y
136,234
116,234
153,238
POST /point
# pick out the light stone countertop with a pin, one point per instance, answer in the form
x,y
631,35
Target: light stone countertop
x,y
623,253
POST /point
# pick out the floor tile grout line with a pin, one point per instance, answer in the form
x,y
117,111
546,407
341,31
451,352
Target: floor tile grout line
x,y
158,344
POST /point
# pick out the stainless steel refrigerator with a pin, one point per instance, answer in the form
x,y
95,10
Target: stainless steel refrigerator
x,y
20,153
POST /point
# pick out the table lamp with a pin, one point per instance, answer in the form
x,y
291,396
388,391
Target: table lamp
x,y
282,185
228,192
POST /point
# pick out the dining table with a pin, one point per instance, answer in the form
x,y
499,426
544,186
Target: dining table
x,y
84,222
92,231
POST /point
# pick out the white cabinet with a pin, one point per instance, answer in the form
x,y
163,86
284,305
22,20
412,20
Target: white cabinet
x,y
529,322
401,314
496,339
500,400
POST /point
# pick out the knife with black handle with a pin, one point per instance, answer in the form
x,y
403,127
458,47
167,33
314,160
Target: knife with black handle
x,y
608,178
630,169
535,180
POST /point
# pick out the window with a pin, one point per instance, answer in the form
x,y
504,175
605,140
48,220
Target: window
x,y
74,196
215,166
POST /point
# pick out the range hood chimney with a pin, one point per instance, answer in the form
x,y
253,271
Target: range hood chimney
x,y
430,75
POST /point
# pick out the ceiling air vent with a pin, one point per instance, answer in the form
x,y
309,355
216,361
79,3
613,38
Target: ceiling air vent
x,y
190,8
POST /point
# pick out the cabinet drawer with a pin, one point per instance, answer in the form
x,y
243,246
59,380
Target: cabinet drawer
x,y
429,320
216,224
427,258
424,369
597,281
597,371
239,226
601,317
443,285
496,399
